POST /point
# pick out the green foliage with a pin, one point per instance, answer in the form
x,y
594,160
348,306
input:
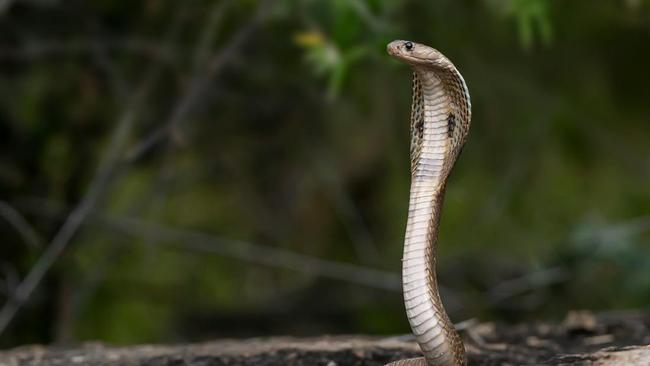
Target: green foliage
x,y
533,20
299,143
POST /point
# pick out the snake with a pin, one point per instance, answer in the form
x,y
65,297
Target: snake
x,y
440,121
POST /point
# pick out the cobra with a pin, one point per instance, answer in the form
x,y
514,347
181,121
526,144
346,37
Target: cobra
x,y
440,121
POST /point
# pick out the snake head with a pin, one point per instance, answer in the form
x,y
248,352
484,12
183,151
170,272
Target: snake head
x,y
415,54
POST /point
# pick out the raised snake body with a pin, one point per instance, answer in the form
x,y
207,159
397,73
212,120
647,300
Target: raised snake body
x,y
440,120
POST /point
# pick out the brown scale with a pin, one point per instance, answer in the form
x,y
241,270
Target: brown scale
x,y
417,121
458,118
426,63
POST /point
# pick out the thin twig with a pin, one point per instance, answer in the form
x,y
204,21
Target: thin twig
x,y
116,79
348,212
239,249
11,278
199,84
35,50
265,255
107,167
208,35
528,282
22,226
72,223
4,5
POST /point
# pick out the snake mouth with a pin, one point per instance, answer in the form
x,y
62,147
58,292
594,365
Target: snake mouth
x,y
393,48
398,50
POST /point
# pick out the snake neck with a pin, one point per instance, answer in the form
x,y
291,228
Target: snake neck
x,y
431,161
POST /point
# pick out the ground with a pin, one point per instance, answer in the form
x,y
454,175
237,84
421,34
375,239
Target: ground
x,y
581,339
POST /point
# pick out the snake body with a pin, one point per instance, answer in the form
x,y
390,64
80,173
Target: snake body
x,y
440,120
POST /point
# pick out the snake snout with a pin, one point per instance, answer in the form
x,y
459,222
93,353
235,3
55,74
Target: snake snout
x,y
394,48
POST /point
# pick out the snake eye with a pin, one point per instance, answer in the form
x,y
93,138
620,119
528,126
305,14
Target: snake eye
x,y
408,45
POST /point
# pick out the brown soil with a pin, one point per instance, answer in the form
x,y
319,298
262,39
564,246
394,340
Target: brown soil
x,y
581,339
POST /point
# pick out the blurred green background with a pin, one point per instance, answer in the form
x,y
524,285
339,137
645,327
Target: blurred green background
x,y
185,170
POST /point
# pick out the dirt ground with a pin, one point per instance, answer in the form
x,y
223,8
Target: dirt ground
x,y
581,339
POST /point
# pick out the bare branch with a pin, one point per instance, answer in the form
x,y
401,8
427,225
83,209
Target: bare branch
x,y
34,50
528,282
348,212
209,33
11,278
243,250
4,5
110,163
72,223
200,82
262,254
18,222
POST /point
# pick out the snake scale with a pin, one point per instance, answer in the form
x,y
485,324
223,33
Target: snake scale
x,y
440,120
